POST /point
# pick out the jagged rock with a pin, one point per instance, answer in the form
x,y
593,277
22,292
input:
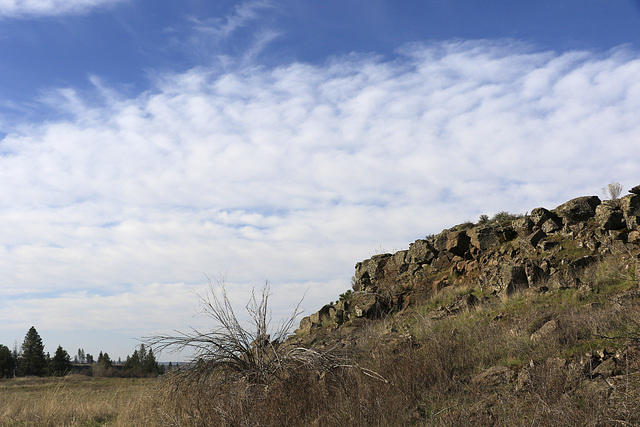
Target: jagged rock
x,y
396,265
484,237
540,215
536,237
369,271
607,368
512,278
630,206
316,319
365,305
551,225
523,226
534,273
635,190
455,242
421,252
578,209
442,262
609,218
507,233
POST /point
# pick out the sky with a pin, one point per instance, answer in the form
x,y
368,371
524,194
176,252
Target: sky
x,y
148,147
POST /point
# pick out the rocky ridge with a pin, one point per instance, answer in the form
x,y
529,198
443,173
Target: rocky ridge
x,y
512,253
519,320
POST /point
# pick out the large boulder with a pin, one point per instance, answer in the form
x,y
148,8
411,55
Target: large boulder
x,y
453,241
551,225
536,237
523,226
369,271
365,305
578,209
609,217
457,243
512,278
484,237
421,252
316,319
539,216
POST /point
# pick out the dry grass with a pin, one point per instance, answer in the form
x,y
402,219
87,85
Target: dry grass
x,y
426,372
78,401
430,367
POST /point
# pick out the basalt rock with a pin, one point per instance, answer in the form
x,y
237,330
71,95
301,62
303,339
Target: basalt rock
x,y
630,207
505,257
578,209
610,217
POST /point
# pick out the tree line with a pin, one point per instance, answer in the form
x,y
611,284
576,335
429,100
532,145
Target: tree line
x,y
31,360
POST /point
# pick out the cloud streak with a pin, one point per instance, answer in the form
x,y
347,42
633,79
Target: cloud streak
x,y
295,173
38,8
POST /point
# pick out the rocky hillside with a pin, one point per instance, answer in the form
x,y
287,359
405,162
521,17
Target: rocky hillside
x,y
504,255
516,320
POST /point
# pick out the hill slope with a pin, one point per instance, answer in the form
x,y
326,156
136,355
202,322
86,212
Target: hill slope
x,y
521,319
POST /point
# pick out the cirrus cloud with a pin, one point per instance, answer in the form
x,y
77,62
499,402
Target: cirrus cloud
x,y
35,8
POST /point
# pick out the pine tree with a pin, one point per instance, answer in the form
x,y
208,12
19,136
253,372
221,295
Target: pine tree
x,y
104,360
7,362
142,362
149,363
61,362
33,360
133,364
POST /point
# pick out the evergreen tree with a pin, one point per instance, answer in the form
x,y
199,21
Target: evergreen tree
x,y
33,360
7,362
142,362
104,360
133,364
149,363
61,362
103,366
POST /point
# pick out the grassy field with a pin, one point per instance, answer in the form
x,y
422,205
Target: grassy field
x,y
78,400
546,356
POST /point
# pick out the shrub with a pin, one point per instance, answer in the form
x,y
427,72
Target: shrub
x,y
612,190
505,216
254,353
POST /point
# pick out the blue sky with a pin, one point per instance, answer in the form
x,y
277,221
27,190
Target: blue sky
x,y
147,144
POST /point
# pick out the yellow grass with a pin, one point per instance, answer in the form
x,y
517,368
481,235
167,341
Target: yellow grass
x,y
78,400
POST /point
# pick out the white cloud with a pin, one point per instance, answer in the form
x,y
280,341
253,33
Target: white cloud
x,y
33,8
296,173
222,28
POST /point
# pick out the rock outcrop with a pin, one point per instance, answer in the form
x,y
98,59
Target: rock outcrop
x,y
503,257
